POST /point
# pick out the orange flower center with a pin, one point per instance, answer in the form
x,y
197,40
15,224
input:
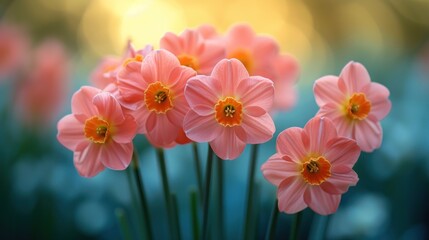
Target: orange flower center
x,y
137,58
316,170
189,61
229,112
97,130
245,57
158,98
358,107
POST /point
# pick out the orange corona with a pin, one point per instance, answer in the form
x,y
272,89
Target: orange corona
x,y
316,170
189,61
358,107
245,58
158,98
97,130
229,112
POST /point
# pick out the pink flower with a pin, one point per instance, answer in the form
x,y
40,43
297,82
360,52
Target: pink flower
x,y
312,167
42,91
256,52
229,109
13,49
355,104
98,132
193,50
286,70
154,89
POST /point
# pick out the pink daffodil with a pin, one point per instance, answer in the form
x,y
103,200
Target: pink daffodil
x,y
98,132
154,89
193,50
355,104
286,70
229,109
312,167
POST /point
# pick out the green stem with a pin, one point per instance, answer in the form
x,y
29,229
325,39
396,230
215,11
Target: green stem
x,y
207,192
140,187
123,223
198,169
166,187
220,197
295,226
271,231
250,184
176,215
318,228
194,214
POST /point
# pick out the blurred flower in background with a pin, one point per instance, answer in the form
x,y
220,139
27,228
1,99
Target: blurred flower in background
x,y
54,46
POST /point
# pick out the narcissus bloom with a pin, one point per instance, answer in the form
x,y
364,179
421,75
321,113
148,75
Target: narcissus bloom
x,y
193,50
229,109
312,167
154,89
98,132
355,104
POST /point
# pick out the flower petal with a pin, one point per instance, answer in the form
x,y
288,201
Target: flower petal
x,y
379,97
70,132
228,145
290,195
256,91
353,78
343,154
340,183
158,65
82,101
368,134
177,114
125,131
320,201
293,142
278,168
239,36
108,107
229,72
202,94
117,156
131,85
326,91
320,130
201,128
160,131
88,162
258,129
212,54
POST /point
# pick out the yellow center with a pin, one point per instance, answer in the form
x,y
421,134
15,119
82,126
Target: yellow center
x,y
137,58
229,112
97,130
189,61
357,107
158,98
245,57
316,170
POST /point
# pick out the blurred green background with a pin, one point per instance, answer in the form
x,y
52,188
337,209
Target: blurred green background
x,y
43,197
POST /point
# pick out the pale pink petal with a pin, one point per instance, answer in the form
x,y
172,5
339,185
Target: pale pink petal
x,y
131,85
201,128
88,162
125,131
158,65
172,43
160,131
265,49
320,130
207,31
70,132
140,115
256,91
368,134
212,54
290,195
107,64
287,72
108,107
353,78
228,145
258,129
339,183
179,77
320,201
202,94
82,101
255,111
326,91
278,168
341,122
342,153
116,156
293,142
177,114
229,72
378,95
